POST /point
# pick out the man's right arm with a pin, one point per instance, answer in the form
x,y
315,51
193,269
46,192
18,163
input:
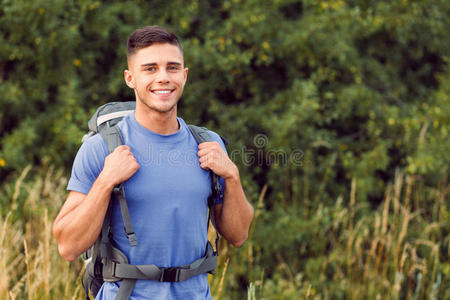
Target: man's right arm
x,y
80,220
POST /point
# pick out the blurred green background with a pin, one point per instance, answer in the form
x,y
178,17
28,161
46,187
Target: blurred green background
x,y
337,113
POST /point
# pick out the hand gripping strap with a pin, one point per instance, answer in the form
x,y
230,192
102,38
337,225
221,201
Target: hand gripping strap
x,y
201,135
113,139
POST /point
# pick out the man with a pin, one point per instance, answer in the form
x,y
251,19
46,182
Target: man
x,y
166,191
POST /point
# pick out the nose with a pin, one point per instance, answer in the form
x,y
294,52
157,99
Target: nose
x,y
162,76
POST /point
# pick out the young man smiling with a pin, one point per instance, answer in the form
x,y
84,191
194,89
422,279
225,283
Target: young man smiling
x,y
167,197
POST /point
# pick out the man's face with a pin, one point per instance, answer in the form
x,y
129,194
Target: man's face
x,y
157,75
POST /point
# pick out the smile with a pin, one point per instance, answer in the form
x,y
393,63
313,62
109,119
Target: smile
x,y
162,92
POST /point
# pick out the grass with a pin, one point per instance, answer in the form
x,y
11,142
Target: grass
x,y
398,251
29,254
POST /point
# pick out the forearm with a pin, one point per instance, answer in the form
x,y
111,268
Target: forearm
x,y
79,223
236,214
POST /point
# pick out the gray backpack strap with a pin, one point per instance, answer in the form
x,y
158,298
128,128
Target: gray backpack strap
x,y
106,229
201,135
116,270
113,139
125,289
116,267
119,192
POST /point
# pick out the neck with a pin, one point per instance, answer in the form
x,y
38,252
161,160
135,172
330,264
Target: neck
x,y
161,123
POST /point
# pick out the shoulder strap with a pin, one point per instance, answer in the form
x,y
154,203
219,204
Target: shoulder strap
x,y
117,268
201,135
113,139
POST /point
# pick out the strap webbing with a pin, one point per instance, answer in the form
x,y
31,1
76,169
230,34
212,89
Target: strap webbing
x,y
125,289
201,135
113,271
174,274
113,139
104,235
119,192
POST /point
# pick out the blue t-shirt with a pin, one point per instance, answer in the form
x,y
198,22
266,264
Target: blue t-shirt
x,y
167,200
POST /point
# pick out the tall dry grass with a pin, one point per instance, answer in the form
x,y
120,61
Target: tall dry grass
x,y
394,252
29,257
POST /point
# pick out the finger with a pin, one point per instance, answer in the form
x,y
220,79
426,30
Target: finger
x,y
122,148
204,166
203,158
202,145
203,152
205,145
136,165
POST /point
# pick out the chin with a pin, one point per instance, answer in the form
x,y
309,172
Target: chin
x,y
164,109
158,107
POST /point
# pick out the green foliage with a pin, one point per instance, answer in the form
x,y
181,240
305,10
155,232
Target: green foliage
x,y
311,94
346,251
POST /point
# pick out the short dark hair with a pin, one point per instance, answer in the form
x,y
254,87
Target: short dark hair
x,y
149,35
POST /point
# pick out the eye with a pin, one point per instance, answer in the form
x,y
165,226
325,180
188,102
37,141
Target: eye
x,y
173,68
151,69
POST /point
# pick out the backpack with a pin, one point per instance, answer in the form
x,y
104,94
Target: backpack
x,y
104,261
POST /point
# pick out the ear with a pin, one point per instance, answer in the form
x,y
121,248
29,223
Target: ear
x,y
185,73
129,79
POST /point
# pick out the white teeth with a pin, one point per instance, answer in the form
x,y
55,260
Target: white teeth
x,y
162,92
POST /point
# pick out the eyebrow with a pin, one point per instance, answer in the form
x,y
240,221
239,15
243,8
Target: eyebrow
x,y
155,64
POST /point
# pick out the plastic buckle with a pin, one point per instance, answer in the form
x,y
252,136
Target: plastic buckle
x,y
113,269
131,238
169,275
98,269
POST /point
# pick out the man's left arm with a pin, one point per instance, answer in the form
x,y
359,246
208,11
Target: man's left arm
x,y
234,216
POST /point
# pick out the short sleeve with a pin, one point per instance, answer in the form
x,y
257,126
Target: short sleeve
x,y
88,164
